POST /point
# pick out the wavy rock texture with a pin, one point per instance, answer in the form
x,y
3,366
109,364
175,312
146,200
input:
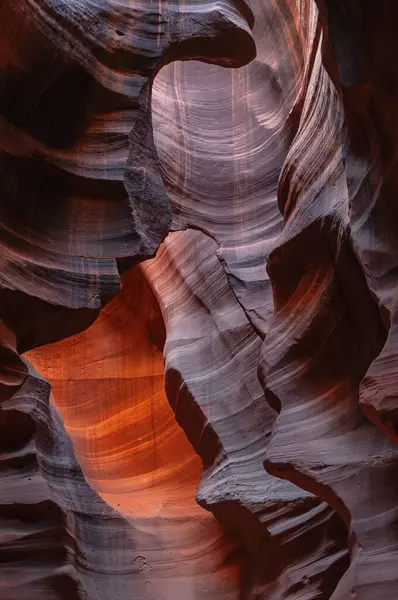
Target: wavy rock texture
x,y
108,384
324,359
77,137
82,198
222,422
292,543
56,532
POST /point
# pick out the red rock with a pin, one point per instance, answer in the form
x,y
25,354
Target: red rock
x,y
198,315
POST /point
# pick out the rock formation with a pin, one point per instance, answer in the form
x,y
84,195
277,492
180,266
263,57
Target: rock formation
x,y
198,314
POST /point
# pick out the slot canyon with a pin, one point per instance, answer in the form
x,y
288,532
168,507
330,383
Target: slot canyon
x,y
198,295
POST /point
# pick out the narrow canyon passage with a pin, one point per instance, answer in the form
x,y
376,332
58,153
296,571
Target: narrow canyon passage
x,y
198,300
108,383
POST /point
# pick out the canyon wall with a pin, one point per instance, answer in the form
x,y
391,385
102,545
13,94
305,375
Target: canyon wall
x,y
198,300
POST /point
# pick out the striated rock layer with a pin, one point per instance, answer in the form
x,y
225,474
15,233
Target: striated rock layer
x,y
82,199
108,385
198,300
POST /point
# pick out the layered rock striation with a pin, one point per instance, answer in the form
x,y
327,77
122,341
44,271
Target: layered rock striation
x,y
197,300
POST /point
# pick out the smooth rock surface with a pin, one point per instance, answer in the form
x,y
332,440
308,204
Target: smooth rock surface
x,y
198,305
